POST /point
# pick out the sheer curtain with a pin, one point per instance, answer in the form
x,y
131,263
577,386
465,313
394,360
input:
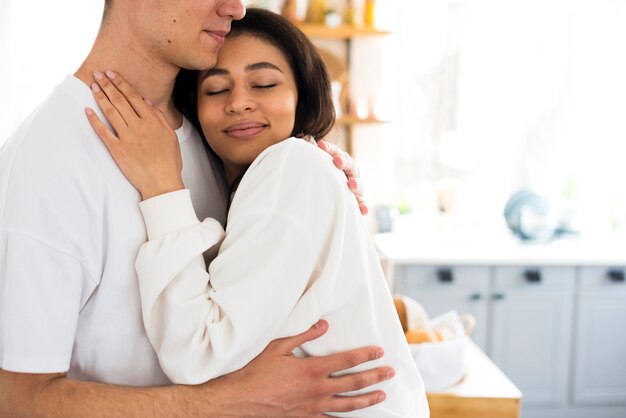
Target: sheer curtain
x,y
41,42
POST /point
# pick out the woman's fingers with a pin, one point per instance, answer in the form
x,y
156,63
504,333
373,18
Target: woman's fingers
x,y
110,112
116,98
109,139
134,99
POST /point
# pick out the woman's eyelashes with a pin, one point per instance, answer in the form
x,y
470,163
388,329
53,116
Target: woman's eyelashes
x,y
216,92
258,86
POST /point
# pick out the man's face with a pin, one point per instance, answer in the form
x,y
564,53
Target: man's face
x,y
188,33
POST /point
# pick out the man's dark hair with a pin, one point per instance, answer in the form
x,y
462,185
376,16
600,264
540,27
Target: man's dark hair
x,y
315,113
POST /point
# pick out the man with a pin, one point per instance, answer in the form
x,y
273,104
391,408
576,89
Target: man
x,y
72,341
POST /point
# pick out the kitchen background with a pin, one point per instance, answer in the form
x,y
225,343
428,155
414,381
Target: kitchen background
x,y
456,111
483,99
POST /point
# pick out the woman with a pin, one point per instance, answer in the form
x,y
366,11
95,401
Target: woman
x,y
295,248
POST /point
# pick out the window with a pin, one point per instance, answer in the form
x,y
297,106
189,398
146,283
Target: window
x,y
498,96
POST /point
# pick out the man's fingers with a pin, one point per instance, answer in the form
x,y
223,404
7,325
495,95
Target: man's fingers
x,y
363,208
137,102
342,160
355,186
361,380
337,362
116,98
352,403
346,163
325,146
288,344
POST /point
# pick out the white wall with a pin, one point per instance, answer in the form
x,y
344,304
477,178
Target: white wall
x,y
41,42
5,41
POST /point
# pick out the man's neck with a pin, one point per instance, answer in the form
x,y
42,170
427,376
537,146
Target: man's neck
x,y
153,78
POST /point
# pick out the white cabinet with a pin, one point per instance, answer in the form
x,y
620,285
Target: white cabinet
x,y
600,355
441,289
530,334
552,317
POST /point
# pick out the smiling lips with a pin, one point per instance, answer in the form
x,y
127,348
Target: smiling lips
x,y
218,36
245,129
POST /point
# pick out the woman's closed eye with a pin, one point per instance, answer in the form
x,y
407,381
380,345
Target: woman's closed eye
x,y
265,86
216,92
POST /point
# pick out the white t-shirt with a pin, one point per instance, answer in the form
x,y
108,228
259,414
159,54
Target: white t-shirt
x,y
70,230
296,249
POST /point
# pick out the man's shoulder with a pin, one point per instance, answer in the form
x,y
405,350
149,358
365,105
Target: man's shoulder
x,y
56,133
59,114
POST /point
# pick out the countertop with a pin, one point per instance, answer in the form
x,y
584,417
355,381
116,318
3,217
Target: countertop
x,y
484,392
404,249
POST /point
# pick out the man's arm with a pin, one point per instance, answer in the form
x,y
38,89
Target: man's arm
x,y
275,383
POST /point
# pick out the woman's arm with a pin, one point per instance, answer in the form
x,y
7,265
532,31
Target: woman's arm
x,y
203,327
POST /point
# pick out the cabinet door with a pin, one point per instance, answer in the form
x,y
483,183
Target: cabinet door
x,y
442,289
531,330
600,364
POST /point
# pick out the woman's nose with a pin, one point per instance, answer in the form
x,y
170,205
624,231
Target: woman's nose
x,y
239,102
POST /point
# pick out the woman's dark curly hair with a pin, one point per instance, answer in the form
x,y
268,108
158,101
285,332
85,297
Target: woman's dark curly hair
x,y
315,113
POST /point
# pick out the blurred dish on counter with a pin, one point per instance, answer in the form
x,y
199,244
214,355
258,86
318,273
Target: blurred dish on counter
x,y
437,345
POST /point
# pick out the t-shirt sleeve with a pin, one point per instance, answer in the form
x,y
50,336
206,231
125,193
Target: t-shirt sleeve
x,y
40,300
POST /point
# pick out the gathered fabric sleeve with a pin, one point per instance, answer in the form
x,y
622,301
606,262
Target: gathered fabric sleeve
x,y
204,324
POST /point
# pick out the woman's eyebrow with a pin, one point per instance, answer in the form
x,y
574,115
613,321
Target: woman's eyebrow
x,y
262,65
251,67
214,71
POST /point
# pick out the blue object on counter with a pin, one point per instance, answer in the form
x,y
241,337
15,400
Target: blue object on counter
x,y
528,215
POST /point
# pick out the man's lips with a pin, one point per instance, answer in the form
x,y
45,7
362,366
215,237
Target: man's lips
x,y
218,36
243,130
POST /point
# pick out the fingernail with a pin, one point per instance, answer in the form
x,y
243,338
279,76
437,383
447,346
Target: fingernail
x,y
391,373
318,324
382,396
88,111
95,87
98,75
110,74
380,352
148,101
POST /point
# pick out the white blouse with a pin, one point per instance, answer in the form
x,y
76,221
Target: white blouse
x,y
295,250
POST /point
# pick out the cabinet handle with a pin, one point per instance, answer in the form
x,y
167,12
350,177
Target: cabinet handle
x,y
445,276
532,276
475,296
616,275
498,296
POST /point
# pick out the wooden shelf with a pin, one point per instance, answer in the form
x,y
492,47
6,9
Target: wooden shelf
x,y
347,120
314,30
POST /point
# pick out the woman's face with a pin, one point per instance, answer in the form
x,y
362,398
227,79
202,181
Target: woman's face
x,y
247,102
